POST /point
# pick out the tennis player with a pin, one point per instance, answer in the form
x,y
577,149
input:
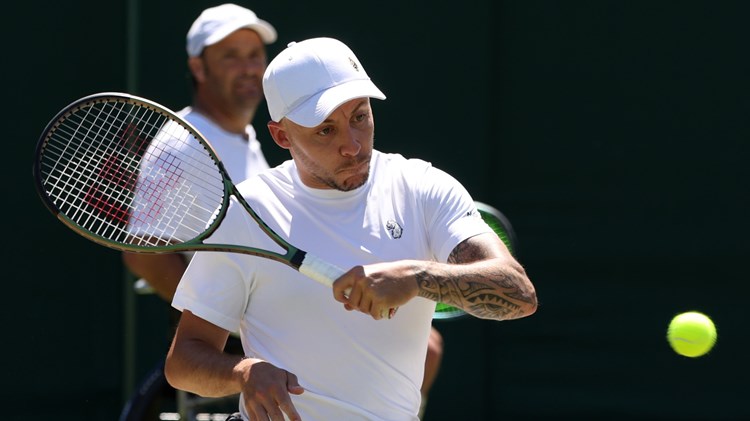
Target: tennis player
x,y
409,233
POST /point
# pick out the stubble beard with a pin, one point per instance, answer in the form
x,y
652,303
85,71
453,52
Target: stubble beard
x,y
360,181
247,101
327,178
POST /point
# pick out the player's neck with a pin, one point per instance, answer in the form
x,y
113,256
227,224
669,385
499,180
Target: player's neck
x,y
230,121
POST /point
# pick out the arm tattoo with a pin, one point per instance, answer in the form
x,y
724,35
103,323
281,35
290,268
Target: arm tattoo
x,y
489,296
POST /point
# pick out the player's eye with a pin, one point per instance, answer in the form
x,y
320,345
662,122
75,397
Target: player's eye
x,y
358,118
257,57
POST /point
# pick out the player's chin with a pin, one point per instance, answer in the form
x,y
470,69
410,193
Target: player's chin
x,y
248,99
248,94
353,182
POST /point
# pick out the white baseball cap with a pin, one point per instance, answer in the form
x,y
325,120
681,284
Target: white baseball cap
x,y
215,23
310,79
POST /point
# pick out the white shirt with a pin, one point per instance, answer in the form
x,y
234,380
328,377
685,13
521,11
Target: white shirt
x,y
351,366
242,157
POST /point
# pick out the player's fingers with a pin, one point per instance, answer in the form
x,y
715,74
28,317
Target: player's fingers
x,y
341,290
275,414
377,309
272,407
292,385
378,312
354,298
255,410
288,408
384,312
284,403
367,306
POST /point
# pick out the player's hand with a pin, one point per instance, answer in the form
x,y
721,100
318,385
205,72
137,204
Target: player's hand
x,y
377,289
266,391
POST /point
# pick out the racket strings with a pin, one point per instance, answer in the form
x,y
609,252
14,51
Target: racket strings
x,y
74,172
174,199
131,174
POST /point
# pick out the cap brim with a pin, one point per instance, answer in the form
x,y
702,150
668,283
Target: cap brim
x,y
318,107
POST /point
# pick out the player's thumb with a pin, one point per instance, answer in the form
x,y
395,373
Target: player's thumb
x,y
292,385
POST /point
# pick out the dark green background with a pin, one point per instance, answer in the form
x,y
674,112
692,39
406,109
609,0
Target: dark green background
x,y
613,134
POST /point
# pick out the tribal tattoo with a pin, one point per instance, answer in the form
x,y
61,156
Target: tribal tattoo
x,y
490,294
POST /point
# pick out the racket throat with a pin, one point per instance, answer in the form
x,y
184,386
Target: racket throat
x,y
298,256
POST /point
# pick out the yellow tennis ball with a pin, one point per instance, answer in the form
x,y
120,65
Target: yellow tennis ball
x,y
691,334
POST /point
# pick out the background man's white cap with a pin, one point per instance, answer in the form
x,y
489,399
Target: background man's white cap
x,y
310,79
215,23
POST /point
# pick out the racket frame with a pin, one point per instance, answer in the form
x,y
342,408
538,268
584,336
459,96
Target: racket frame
x,y
293,256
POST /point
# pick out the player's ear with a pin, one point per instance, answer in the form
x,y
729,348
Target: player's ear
x,y
197,69
279,134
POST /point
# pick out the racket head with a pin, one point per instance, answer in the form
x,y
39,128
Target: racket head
x,y
95,159
502,227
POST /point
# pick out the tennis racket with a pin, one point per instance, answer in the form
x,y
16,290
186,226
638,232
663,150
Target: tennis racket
x,y
129,174
502,227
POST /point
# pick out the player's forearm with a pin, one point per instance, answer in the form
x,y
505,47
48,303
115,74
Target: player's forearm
x,y
497,288
205,371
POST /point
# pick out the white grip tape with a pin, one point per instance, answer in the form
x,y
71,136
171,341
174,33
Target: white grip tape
x,y
320,270
325,273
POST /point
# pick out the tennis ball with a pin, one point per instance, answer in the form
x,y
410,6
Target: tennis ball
x,y
691,334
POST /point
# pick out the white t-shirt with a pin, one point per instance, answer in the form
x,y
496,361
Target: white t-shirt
x,y
242,157
351,366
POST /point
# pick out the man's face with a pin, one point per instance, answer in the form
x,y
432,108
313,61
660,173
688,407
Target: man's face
x,y
335,154
233,70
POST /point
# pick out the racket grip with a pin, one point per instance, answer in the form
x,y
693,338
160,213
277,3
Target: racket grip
x,y
319,270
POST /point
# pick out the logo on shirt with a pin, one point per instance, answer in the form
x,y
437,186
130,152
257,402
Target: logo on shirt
x,y
394,229
474,213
